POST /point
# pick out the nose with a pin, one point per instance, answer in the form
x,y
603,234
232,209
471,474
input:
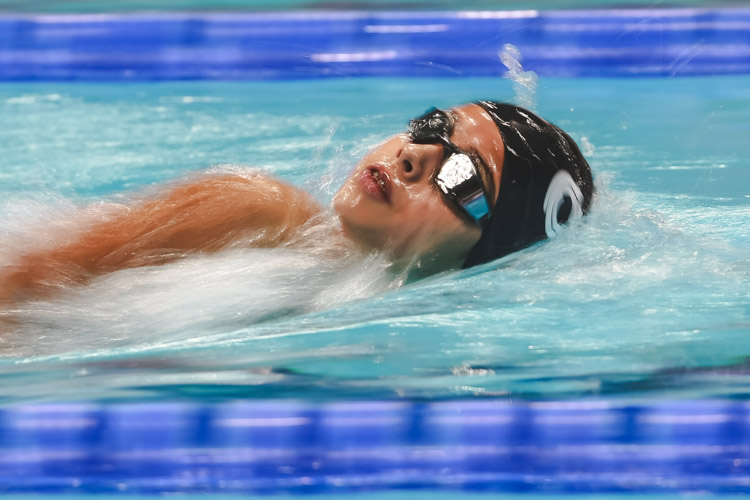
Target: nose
x,y
418,161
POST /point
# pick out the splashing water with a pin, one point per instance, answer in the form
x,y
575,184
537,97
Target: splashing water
x,y
180,301
524,82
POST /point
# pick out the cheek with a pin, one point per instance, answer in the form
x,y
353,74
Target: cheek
x,y
426,224
439,228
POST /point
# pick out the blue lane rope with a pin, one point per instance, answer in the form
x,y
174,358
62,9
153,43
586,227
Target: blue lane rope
x,y
296,447
255,46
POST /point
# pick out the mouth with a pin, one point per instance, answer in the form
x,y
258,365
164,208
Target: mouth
x,y
376,183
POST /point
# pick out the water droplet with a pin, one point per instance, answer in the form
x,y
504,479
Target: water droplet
x,y
524,82
587,148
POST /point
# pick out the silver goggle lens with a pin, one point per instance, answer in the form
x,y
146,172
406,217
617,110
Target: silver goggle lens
x,y
459,180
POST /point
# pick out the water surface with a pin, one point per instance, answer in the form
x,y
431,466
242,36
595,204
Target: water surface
x,y
646,298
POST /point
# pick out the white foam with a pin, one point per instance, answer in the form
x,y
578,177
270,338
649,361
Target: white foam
x,y
201,295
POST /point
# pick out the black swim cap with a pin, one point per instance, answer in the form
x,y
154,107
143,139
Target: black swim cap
x,y
545,181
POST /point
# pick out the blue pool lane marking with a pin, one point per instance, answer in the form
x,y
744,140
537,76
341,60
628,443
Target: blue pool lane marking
x,y
287,447
262,46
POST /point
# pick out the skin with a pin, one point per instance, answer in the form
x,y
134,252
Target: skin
x,y
226,210
208,215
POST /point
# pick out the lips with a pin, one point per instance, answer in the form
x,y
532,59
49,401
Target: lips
x,y
376,183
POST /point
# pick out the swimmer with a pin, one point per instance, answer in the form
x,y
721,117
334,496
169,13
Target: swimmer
x,y
458,188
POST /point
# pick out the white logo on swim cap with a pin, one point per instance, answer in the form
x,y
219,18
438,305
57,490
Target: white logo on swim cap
x,y
562,186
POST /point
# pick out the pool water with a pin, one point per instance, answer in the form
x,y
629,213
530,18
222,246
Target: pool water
x,y
645,299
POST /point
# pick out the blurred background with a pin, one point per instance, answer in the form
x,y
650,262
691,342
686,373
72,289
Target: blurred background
x,y
88,6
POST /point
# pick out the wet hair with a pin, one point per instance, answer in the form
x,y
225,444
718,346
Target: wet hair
x,y
545,181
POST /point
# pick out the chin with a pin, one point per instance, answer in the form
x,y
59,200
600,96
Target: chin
x,y
347,197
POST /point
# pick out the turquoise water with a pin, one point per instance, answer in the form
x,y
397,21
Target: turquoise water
x,y
645,299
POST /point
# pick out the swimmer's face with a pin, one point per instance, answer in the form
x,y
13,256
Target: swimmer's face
x,y
391,201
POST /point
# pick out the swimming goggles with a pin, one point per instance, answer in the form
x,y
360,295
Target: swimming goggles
x,y
458,178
